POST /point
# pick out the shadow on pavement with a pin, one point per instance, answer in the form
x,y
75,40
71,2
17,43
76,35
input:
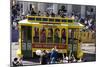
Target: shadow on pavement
x,y
89,57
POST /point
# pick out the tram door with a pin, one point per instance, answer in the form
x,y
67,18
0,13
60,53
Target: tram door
x,y
27,41
73,36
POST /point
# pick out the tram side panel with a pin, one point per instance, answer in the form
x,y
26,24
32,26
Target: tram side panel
x,y
47,38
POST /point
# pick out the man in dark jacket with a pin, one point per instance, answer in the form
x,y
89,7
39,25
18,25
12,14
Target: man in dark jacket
x,y
54,56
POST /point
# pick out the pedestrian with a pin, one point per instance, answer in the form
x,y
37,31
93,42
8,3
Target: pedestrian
x,y
15,25
52,14
16,62
14,12
33,13
46,13
43,58
73,16
65,59
39,13
54,56
20,62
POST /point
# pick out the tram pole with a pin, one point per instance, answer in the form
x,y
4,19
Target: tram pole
x,y
72,39
72,34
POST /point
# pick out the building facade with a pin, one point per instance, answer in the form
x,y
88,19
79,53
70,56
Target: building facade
x,y
81,10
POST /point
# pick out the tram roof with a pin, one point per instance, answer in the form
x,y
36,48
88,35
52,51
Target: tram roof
x,y
70,25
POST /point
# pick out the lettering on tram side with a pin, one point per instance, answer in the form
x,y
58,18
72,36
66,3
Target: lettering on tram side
x,y
48,46
50,26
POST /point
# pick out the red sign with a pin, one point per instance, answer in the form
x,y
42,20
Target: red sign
x,y
61,46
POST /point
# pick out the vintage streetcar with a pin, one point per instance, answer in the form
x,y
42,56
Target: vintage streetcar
x,y
45,33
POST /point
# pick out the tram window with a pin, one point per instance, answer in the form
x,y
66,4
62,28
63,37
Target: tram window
x,y
36,34
70,21
69,33
45,19
43,35
72,37
31,18
23,46
63,34
64,20
56,36
50,35
57,20
23,35
38,19
29,33
51,20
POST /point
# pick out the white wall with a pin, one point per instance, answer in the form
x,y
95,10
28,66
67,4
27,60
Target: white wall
x,y
85,2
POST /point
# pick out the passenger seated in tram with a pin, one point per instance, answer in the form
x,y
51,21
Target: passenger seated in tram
x,y
56,36
36,34
50,35
63,36
43,35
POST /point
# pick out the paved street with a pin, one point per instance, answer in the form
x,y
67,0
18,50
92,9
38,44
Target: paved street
x,y
89,52
88,49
